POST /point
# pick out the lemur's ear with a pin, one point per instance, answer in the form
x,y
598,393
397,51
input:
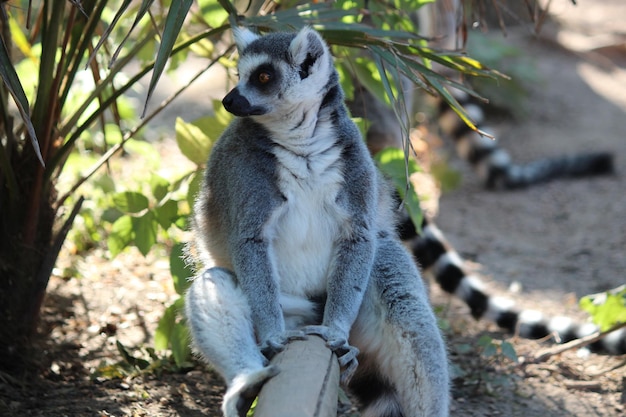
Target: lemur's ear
x,y
243,37
306,48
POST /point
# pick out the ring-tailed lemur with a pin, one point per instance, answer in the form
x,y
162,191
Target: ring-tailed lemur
x,y
297,233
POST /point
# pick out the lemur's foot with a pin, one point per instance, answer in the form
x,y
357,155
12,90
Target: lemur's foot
x,y
346,354
277,343
244,389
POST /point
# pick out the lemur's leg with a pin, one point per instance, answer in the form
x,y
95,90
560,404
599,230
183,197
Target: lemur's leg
x,y
403,367
219,317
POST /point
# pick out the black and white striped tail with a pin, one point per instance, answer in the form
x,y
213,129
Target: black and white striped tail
x,y
437,258
494,165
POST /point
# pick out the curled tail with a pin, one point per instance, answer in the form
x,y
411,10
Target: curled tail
x,y
493,164
437,257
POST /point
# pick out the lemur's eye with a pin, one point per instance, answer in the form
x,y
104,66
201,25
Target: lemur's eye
x,y
264,77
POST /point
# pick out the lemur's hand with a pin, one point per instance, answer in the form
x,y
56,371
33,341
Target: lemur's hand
x,y
338,343
276,343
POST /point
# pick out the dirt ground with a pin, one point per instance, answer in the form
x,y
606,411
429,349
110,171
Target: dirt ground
x,y
557,242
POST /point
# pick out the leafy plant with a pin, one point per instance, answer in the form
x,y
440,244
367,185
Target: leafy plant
x,y
58,84
480,362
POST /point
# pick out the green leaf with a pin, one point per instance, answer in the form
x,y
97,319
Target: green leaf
x,y
120,11
509,351
145,229
173,23
490,350
14,86
130,202
143,9
368,75
398,167
163,332
484,341
20,40
213,126
193,142
159,186
180,344
105,183
181,271
130,359
212,12
464,348
121,235
167,213
114,371
608,308
195,182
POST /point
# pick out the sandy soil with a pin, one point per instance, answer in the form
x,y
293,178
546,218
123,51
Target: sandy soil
x,y
559,241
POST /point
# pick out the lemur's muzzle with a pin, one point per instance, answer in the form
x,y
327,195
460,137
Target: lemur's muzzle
x,y
238,105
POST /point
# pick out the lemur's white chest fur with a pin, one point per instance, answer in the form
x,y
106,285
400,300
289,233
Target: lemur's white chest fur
x,y
303,230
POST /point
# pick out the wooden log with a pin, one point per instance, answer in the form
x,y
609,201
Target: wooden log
x,y
307,385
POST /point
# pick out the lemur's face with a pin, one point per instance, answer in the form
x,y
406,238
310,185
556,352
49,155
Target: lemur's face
x,y
278,73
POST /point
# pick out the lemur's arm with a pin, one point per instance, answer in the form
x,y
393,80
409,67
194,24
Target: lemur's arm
x,y
256,277
248,194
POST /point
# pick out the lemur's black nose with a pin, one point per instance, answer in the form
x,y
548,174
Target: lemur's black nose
x,y
238,105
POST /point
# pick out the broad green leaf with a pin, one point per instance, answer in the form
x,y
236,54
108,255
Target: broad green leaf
x,y
509,351
181,271
20,40
395,164
167,213
159,186
163,332
368,75
345,77
121,235
607,309
130,202
195,183
180,344
214,125
173,23
490,350
14,86
105,183
213,12
193,142
145,229
398,167
484,341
